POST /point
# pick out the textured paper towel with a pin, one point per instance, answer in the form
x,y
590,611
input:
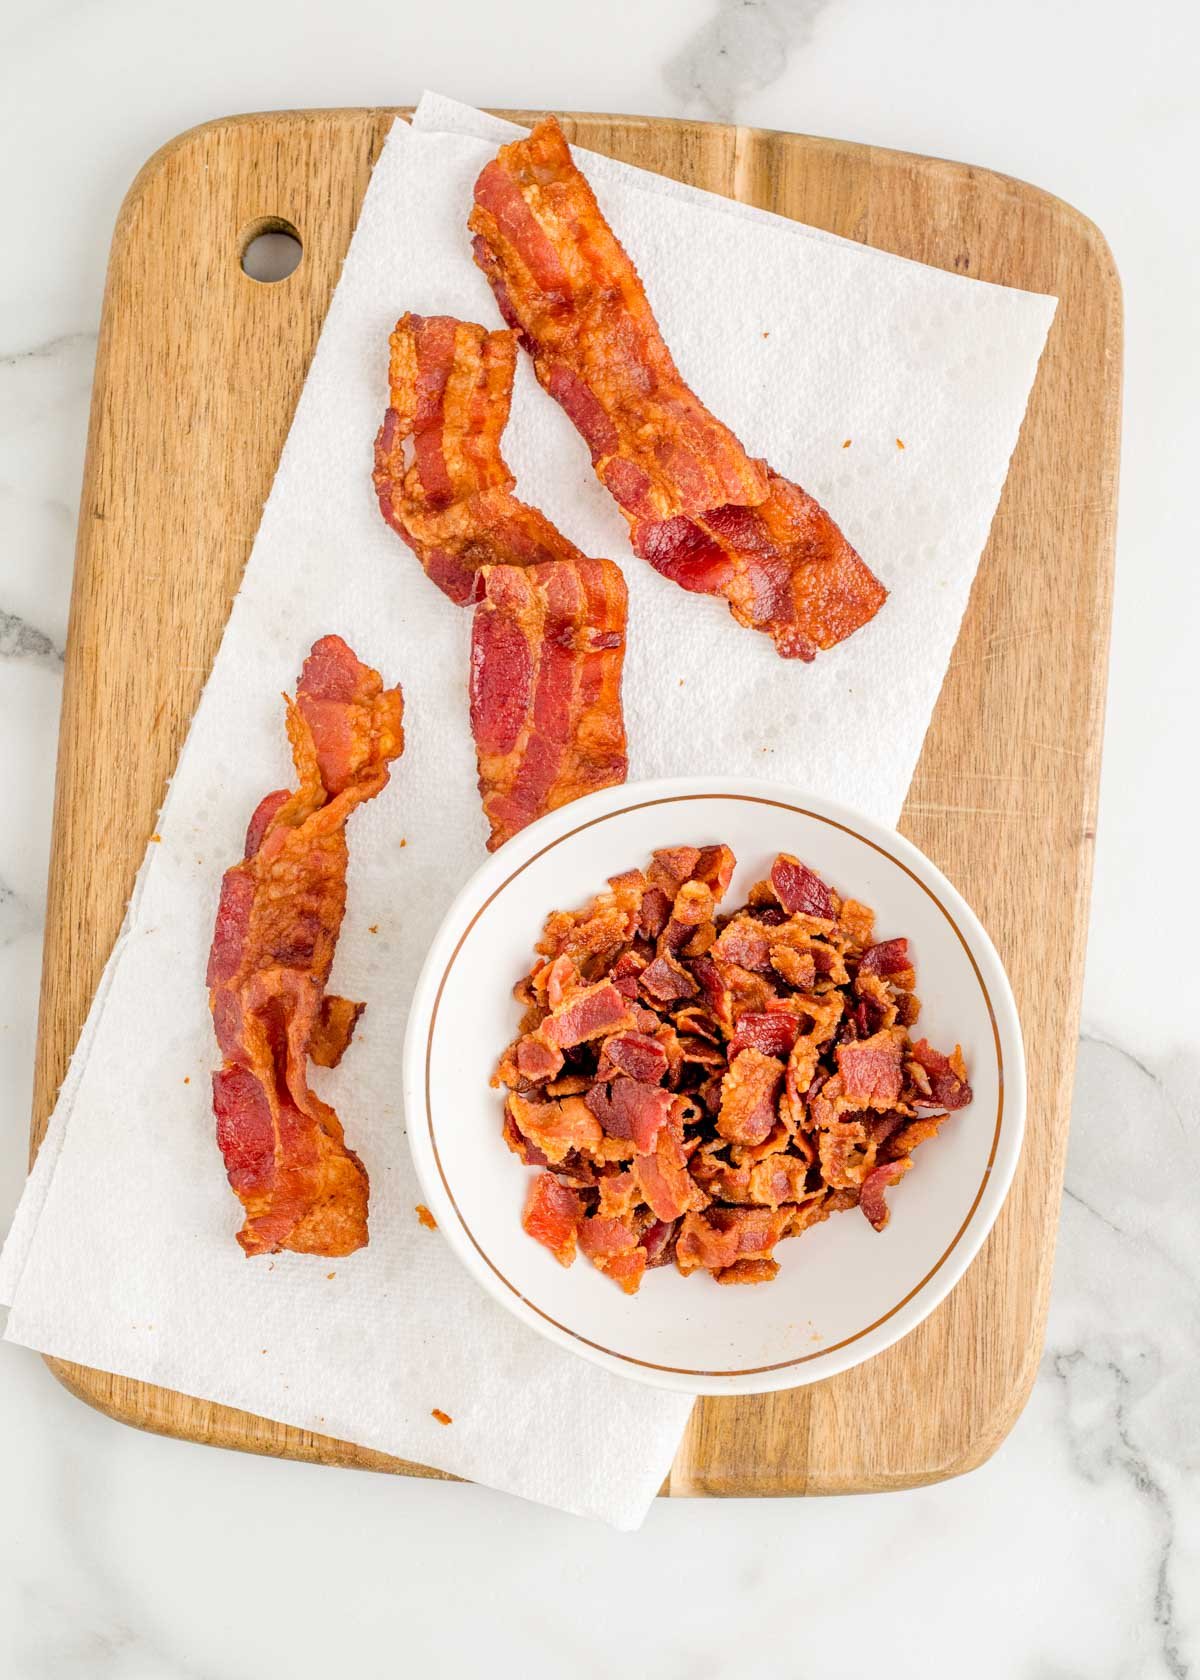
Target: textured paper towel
x,y
122,1253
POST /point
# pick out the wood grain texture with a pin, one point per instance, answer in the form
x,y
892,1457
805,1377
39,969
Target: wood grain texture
x,y
198,372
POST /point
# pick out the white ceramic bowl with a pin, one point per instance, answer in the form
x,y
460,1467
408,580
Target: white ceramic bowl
x,y
844,1292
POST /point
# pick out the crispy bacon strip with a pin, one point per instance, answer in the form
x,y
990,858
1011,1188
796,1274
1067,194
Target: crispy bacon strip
x,y
442,482
702,511
547,647
277,924
548,640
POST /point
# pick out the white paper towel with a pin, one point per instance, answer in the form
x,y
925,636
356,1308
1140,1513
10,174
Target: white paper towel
x,y
122,1253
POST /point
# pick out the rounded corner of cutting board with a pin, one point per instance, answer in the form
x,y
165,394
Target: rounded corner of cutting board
x,y
163,1411
170,325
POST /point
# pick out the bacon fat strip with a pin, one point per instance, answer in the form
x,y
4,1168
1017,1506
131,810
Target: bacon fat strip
x,y
701,510
278,920
547,646
548,638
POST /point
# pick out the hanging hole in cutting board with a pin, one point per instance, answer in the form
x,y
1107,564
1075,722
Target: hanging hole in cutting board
x,y
271,250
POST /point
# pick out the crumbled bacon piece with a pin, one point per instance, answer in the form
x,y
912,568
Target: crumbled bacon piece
x,y
748,1097
774,1033
947,1075
890,961
666,981
552,1217
746,942
870,1069
801,889
277,924
701,511
637,1055
691,1103
612,1247
749,1271
873,1200
629,1109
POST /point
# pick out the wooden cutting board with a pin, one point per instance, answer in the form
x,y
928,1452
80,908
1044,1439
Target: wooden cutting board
x,y
197,375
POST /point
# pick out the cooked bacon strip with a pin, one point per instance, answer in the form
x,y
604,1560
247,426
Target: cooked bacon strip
x,y
560,276
702,511
277,924
442,482
548,639
546,653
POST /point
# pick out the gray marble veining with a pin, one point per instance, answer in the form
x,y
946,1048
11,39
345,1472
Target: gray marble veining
x,y
744,47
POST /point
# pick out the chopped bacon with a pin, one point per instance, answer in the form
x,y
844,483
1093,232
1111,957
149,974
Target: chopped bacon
x,y
873,1200
620,1193
870,1069
655,912
589,1012
667,1188
521,1145
548,637
629,1109
552,1217
773,1033
777,1179
801,889
702,512
715,867
538,1061
749,1271
947,1075
745,942
657,1241
857,923
904,1136
626,973
748,1096
846,1153
555,1127
890,961
703,1108
666,981
277,924
637,1055
612,1247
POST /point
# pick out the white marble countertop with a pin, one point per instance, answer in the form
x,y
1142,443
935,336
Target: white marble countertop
x,y
1076,1551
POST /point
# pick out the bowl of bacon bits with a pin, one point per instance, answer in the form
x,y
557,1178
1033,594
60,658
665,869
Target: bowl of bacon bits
x,y
715,1083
